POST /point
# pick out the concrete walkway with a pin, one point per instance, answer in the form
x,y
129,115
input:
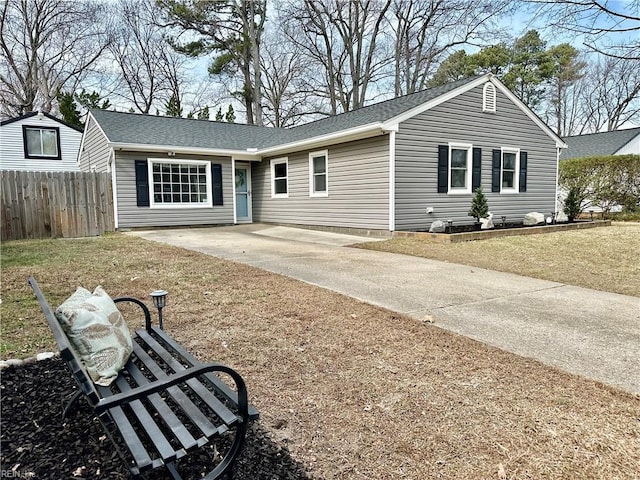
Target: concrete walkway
x,y
586,332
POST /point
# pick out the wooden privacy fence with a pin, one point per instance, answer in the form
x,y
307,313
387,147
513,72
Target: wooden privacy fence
x,y
55,204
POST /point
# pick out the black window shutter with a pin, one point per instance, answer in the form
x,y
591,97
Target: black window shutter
x,y
216,177
476,169
523,171
142,183
443,168
495,170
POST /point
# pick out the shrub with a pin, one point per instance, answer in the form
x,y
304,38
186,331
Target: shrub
x,y
602,181
479,205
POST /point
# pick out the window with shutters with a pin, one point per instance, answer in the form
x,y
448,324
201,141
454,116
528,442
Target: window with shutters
x,y
509,170
489,97
180,184
460,168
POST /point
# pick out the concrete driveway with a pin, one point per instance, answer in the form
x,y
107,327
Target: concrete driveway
x,y
586,332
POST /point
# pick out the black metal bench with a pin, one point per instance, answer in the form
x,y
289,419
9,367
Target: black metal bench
x,y
164,404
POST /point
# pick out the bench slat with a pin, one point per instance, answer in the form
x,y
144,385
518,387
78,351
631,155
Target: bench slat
x,y
162,445
193,412
219,384
140,455
226,415
173,422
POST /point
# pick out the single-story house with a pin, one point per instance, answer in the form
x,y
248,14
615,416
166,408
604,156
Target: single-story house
x,y
38,141
396,165
616,142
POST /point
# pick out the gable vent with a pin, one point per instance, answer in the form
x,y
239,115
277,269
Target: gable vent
x,y
489,97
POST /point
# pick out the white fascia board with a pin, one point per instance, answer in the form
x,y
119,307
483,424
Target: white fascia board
x,y
520,104
393,123
356,133
138,147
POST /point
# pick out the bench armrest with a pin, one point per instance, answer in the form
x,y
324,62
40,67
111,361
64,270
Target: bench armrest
x,y
145,309
164,383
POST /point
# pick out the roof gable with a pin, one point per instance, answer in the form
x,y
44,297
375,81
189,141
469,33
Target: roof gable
x,y
33,114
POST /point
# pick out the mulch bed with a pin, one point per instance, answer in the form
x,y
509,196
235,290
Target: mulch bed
x,y
37,443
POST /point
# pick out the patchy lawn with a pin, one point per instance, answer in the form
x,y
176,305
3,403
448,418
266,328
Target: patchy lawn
x,y
606,258
354,391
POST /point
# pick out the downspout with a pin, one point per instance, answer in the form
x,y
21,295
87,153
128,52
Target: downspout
x,y
392,180
558,149
114,186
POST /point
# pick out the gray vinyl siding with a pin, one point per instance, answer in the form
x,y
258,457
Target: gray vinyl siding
x,y
358,186
95,149
131,216
12,155
461,120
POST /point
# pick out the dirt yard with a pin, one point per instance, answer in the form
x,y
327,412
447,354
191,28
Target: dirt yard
x,y
353,391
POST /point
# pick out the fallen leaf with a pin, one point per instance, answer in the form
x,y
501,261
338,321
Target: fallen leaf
x,y
502,475
79,472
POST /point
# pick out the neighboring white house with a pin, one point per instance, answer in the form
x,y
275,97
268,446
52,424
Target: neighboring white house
x,y
38,141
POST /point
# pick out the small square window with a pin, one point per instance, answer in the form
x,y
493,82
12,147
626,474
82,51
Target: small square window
x,y
41,142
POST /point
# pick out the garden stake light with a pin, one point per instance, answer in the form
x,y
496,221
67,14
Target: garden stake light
x,y
160,301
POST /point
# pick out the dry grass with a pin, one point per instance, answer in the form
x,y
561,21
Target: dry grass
x,y
606,258
355,391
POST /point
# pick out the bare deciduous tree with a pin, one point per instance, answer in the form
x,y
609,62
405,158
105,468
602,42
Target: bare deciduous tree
x,y
424,30
46,46
344,40
611,96
609,28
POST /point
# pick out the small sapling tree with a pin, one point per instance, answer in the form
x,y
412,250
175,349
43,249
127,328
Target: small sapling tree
x,y
479,206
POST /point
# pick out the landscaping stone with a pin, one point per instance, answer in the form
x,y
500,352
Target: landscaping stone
x,y
561,218
3,364
487,223
533,218
438,227
14,362
44,356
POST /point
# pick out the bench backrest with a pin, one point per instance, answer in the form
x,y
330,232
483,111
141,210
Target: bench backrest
x,y
67,351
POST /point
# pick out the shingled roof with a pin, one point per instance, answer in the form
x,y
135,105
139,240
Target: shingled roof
x,y
148,132
593,144
138,129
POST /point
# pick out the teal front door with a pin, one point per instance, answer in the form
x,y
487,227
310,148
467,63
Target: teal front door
x,y
243,193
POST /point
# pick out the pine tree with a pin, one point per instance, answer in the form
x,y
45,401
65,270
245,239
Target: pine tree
x,y
219,116
173,107
204,113
68,109
479,205
230,116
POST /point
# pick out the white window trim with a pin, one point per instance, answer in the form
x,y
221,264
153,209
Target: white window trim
x,y
469,148
486,105
516,173
312,155
274,162
180,206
